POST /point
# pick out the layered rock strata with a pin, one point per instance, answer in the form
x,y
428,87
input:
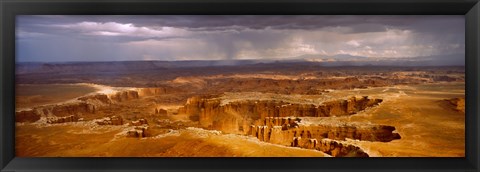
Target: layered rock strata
x,y
124,96
139,132
236,117
283,134
56,120
82,106
139,122
113,120
279,122
77,108
336,148
96,99
289,131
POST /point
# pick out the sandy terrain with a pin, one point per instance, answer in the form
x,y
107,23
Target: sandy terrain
x,y
83,140
31,95
427,125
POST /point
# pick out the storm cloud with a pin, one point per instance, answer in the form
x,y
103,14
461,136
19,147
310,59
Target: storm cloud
x,y
180,37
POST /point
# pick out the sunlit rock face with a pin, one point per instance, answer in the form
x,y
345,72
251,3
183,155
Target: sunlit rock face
x,y
56,120
55,110
283,133
280,123
236,116
337,149
151,91
124,96
96,99
289,131
112,120
139,132
83,106
139,122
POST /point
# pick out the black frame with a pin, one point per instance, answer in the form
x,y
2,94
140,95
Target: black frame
x,y
10,8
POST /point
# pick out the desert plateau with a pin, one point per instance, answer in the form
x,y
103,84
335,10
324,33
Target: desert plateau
x,y
280,109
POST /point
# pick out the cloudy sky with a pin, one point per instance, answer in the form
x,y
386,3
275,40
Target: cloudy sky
x,y
120,38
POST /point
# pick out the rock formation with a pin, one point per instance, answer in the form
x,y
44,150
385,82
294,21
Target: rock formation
x,y
27,116
124,96
72,109
161,111
458,104
238,115
56,120
282,133
139,132
69,109
152,91
84,105
289,131
139,122
113,120
101,98
338,149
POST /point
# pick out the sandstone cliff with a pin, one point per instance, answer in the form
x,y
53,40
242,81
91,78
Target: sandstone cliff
x,y
82,106
236,117
97,99
152,91
69,109
283,132
113,120
339,149
56,120
124,96
289,131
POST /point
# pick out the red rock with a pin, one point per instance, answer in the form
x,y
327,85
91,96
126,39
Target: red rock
x,y
56,120
213,115
124,96
114,120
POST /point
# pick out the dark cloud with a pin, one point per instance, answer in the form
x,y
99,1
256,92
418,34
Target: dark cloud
x,y
219,22
180,37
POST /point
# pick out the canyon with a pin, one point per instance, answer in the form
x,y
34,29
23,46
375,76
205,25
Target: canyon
x,y
278,109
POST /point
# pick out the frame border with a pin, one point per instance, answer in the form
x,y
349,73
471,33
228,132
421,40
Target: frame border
x,y
10,8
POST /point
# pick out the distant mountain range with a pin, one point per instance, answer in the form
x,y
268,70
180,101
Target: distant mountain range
x,y
346,59
310,59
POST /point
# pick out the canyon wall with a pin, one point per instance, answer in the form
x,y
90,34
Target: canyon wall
x,y
152,91
27,116
289,131
82,106
236,117
96,99
287,86
57,120
76,108
280,123
283,132
124,96
336,148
